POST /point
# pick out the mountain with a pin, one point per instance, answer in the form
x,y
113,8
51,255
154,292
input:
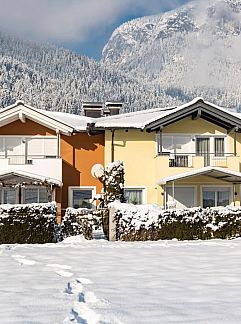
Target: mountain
x,y
191,51
58,79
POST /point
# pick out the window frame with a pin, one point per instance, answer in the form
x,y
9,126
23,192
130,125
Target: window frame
x,y
72,188
2,195
33,187
216,188
144,192
24,142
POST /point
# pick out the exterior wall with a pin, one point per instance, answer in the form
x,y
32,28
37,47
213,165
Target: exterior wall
x,y
137,150
79,153
143,167
27,128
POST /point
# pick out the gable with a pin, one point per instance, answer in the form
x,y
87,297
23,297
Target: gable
x,y
199,110
30,128
22,112
188,125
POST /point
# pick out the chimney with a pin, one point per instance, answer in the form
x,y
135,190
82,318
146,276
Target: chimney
x,y
92,109
112,108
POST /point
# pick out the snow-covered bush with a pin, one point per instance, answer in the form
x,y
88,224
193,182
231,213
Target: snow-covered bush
x,y
77,222
150,222
113,189
113,182
28,223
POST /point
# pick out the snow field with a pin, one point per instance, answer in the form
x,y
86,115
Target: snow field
x,y
100,282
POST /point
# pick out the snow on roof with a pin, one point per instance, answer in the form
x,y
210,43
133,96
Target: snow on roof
x,y
79,123
140,119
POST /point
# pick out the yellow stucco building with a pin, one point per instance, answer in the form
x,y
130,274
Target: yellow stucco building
x,y
179,156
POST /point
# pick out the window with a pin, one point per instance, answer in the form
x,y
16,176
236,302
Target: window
x,y
8,195
219,146
35,195
212,197
15,147
134,196
177,144
81,197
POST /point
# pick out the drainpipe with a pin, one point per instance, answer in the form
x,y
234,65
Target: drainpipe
x,y
58,143
235,141
160,140
112,145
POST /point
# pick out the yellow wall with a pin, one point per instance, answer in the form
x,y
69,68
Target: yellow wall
x,y
137,150
143,167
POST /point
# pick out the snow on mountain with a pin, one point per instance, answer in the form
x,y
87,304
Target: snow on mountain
x,y
190,51
57,79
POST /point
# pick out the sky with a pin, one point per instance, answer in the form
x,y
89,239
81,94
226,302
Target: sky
x,y
81,25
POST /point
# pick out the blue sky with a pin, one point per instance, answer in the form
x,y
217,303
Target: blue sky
x,y
82,25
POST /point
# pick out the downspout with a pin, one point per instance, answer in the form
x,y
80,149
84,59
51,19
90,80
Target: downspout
x,y
58,143
160,141
235,141
112,145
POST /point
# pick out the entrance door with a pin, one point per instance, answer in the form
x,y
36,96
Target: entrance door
x,y
213,197
203,149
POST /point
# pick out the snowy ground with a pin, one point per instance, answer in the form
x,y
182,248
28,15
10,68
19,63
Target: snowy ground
x,y
102,282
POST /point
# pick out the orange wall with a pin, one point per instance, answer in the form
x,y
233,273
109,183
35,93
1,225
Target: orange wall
x,y
27,128
79,153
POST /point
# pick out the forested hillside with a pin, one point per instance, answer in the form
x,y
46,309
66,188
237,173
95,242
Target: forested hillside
x,y
58,79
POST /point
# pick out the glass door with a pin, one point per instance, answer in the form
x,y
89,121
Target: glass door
x,y
203,149
213,197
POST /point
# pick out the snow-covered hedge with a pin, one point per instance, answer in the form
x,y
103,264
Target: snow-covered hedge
x,y
78,221
29,223
150,222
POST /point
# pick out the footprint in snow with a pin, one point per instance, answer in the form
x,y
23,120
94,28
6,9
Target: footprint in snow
x,y
59,266
60,269
21,260
81,311
63,273
84,281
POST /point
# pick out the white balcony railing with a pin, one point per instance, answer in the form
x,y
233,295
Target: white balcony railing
x,y
24,159
185,160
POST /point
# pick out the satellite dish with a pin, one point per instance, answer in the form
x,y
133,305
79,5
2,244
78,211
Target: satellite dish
x,y
97,171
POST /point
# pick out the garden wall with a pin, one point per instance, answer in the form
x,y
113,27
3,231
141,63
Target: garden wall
x,y
150,222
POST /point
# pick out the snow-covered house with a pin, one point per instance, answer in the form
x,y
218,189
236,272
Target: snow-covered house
x,y
179,156
47,156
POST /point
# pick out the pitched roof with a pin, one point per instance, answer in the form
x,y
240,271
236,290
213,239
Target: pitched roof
x,y
214,172
6,175
64,122
154,118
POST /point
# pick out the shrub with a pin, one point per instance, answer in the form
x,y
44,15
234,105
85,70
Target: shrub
x,y
29,223
77,222
150,222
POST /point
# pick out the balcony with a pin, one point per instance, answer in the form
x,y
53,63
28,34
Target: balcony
x,y
48,166
191,160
